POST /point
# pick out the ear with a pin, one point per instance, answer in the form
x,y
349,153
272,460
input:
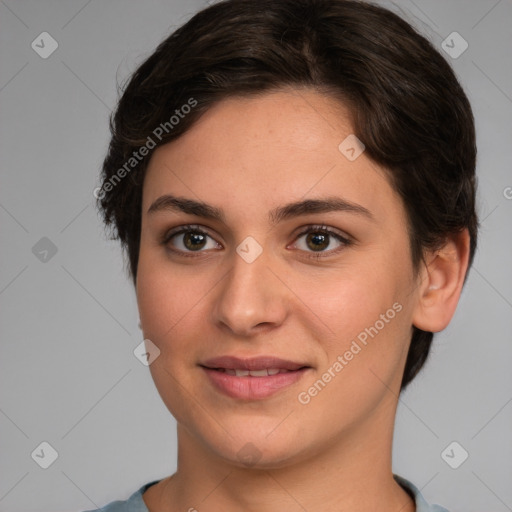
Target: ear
x,y
440,283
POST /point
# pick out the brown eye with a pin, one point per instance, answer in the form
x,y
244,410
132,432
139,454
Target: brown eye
x,y
317,241
319,238
188,240
194,241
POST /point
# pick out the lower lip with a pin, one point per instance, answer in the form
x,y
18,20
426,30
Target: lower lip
x,y
252,388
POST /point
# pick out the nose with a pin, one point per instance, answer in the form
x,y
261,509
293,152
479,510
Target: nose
x,y
251,298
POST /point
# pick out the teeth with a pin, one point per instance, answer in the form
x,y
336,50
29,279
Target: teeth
x,y
258,373
254,373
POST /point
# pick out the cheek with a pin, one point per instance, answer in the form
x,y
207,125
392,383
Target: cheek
x,y
156,309
164,299
363,359
160,307
365,321
348,300
163,296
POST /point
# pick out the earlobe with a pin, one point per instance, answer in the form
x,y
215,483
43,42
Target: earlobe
x,y
441,282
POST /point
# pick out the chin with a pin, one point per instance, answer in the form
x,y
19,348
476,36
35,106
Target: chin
x,y
256,449
251,456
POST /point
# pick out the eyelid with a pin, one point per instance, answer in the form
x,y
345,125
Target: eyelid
x,y
185,228
323,228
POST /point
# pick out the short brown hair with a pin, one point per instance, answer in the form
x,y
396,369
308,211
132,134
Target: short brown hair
x,y
406,103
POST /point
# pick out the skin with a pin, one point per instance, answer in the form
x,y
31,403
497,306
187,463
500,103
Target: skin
x,y
248,156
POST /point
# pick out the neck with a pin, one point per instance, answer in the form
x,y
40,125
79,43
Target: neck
x,y
350,473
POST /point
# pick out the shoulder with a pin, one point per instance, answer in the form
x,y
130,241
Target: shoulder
x,y
134,503
421,504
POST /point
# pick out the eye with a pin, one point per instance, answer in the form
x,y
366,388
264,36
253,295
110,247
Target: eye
x,y
188,239
319,238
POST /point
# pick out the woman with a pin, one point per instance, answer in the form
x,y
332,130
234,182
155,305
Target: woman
x,y
294,184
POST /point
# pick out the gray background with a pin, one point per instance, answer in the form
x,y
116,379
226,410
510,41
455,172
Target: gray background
x,y
69,325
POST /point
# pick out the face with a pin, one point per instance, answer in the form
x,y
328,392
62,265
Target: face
x,y
282,330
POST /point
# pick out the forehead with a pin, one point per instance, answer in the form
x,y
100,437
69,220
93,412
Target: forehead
x,y
253,153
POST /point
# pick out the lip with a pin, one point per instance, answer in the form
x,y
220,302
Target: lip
x,y
250,387
252,363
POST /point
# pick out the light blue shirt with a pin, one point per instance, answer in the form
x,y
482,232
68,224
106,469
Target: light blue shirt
x,y
135,503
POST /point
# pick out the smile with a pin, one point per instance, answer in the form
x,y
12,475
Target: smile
x,y
252,378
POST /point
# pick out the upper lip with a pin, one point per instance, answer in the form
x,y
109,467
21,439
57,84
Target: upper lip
x,y
251,363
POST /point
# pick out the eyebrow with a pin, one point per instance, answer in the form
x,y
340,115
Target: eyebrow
x,y
308,206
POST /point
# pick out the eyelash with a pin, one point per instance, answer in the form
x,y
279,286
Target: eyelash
x,y
189,228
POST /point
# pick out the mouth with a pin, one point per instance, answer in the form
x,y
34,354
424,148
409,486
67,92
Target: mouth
x,y
264,372
252,378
